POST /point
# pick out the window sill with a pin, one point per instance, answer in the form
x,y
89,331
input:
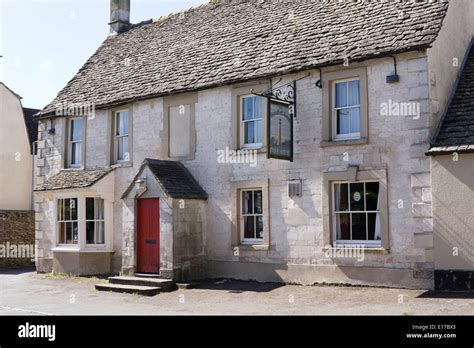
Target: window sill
x,y
261,149
122,165
76,250
253,247
346,142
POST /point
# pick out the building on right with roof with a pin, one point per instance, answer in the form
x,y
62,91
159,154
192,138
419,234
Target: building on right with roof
x,y
452,176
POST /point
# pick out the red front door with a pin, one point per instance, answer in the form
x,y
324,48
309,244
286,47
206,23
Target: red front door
x,y
148,236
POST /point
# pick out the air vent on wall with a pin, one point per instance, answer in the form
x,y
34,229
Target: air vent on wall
x,y
294,188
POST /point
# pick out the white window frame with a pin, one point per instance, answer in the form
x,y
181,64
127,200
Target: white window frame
x,y
348,136
70,142
95,244
243,122
57,222
82,246
338,242
116,137
251,241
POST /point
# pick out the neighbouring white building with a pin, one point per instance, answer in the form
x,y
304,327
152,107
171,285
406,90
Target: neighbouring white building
x,y
250,140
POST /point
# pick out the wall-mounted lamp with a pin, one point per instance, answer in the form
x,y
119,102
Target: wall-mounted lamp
x,y
393,78
141,183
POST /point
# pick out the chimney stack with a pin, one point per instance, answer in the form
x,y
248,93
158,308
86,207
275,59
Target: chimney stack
x,y
119,15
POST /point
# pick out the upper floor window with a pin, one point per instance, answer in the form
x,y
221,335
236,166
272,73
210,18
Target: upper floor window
x,y
121,126
252,121
75,142
346,109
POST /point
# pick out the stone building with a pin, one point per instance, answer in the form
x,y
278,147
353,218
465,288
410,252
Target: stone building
x,y
18,134
263,141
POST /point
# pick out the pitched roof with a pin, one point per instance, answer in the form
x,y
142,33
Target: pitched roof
x,y
31,124
174,178
73,179
456,129
224,42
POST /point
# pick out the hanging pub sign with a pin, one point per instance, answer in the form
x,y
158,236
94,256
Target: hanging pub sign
x,y
280,130
281,112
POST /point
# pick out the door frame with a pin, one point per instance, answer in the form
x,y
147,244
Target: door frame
x,y
135,266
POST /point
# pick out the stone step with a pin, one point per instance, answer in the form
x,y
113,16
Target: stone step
x,y
164,284
129,289
148,275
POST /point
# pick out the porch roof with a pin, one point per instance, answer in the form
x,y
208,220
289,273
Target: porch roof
x,y
174,178
456,128
73,179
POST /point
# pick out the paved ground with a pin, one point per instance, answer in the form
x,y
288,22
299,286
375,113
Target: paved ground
x,y
26,292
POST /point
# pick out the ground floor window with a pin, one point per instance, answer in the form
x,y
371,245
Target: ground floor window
x,y
252,216
95,221
356,212
68,229
81,221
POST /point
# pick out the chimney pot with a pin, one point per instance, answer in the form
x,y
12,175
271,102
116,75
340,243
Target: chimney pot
x,y
119,15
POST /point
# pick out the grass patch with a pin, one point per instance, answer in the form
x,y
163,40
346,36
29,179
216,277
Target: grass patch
x,y
86,279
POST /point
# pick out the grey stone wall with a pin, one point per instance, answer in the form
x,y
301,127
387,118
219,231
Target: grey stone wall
x,y
17,230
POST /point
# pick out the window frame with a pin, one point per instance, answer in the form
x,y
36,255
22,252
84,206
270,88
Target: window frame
x,y
334,109
70,142
95,244
251,241
342,242
58,221
251,146
329,76
82,245
353,174
116,137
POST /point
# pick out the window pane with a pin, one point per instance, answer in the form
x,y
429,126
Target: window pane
x,y
249,132
122,123
60,210
247,202
249,227
359,231
341,94
258,132
259,227
354,120
68,232
75,232
258,202
99,209
90,232
73,206
99,231
89,208
258,107
62,233
343,227
353,93
343,122
372,195
357,197
67,209
125,148
248,108
76,153
120,149
341,197
76,129
371,219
